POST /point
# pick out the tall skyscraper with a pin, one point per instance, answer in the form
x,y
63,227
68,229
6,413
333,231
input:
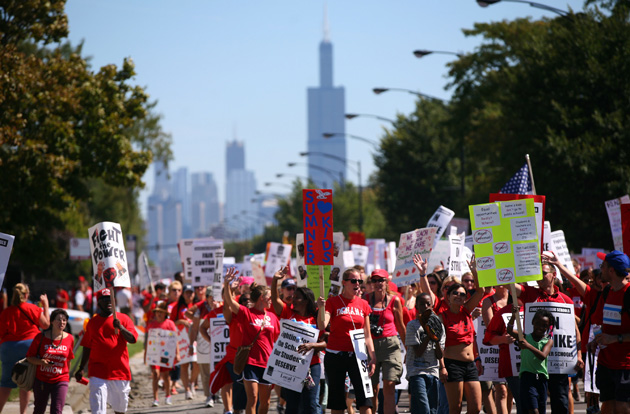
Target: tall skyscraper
x,y
241,214
234,157
179,191
326,114
205,203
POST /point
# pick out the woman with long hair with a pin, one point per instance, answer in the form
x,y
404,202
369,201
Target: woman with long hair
x,y
260,329
178,315
345,313
19,324
302,309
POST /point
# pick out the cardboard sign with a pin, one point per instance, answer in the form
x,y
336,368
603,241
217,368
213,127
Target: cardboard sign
x,y
515,350
161,347
460,255
489,354
539,209
206,262
79,249
286,366
356,237
220,336
308,275
278,256
414,242
440,220
6,246
376,258
360,254
183,341
563,356
625,227
506,242
358,343
614,217
318,226
558,245
109,259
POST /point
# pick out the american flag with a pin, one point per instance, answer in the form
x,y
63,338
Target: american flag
x,y
519,183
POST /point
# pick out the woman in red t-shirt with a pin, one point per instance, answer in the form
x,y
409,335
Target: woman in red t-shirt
x,y
178,315
345,313
51,351
260,329
19,324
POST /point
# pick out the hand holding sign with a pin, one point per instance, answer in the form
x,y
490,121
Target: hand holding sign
x,y
284,271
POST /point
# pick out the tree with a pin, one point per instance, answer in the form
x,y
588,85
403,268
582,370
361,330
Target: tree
x,y
64,131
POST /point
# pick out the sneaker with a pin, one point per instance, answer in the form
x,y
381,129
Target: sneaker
x,y
189,395
194,393
174,390
168,400
161,383
280,409
209,402
156,403
218,399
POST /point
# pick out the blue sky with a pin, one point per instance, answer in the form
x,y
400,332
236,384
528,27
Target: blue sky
x,y
225,69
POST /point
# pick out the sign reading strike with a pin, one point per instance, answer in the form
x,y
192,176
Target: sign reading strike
x,y
318,227
219,333
506,242
109,260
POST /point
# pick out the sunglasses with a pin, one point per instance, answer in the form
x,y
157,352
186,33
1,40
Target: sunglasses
x,y
354,281
459,294
378,280
290,288
468,281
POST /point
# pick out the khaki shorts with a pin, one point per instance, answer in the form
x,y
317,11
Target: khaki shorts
x,y
388,359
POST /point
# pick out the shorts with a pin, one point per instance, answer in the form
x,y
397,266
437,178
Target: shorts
x,y
461,371
613,384
388,359
160,369
254,374
337,366
533,390
112,392
10,353
486,385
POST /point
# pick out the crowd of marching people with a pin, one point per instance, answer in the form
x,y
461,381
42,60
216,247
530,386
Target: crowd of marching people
x,y
427,328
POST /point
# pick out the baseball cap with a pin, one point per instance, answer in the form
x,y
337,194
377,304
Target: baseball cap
x,y
103,292
617,260
288,283
188,288
81,279
379,273
246,280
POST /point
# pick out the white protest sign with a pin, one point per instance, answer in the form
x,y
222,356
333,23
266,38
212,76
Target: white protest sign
x,y
439,255
161,347
414,242
6,245
375,249
348,258
458,261
109,260
258,273
563,356
205,261
440,220
489,354
144,271
302,275
515,350
79,248
278,256
219,333
183,341
558,245
546,236
246,267
360,254
286,367
590,362
390,256
614,217
358,343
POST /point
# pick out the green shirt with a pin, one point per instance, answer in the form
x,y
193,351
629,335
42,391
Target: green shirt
x,y
529,361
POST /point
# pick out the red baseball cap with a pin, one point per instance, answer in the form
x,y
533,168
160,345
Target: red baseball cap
x,y
382,273
103,292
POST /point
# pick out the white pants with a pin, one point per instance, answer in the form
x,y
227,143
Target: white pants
x,y
114,392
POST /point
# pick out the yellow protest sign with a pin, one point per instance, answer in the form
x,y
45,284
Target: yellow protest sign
x,y
505,242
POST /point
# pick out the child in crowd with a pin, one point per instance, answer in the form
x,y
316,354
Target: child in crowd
x,y
534,351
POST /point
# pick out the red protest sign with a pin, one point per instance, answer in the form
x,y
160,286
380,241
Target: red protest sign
x,y
317,208
625,227
356,237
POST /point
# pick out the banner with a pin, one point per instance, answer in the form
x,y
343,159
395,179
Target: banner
x,y
563,356
109,260
6,246
539,209
278,256
614,217
489,354
219,333
440,220
318,226
161,347
506,242
79,249
414,242
287,367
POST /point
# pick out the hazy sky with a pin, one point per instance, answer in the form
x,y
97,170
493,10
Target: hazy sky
x,y
240,69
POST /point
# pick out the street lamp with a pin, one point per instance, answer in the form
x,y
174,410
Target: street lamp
x,y
358,170
379,91
333,134
421,53
268,184
563,13
317,167
301,177
380,118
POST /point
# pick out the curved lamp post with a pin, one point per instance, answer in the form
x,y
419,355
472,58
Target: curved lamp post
x,y
380,118
317,167
379,91
422,53
563,13
343,134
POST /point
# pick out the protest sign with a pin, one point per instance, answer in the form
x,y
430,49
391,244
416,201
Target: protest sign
x,y
258,272
318,226
414,242
506,242
489,354
185,247
390,256
440,220
161,347
461,225
302,275
375,249
309,275
614,217
360,254
590,362
6,246
278,256
563,356
79,249
439,255
358,343
144,272
356,237
539,209
219,333
458,265
515,350
348,258
109,260
246,266
558,245
183,341
625,227
546,236
287,367
207,264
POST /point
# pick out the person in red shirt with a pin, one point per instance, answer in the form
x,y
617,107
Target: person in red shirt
x,y
189,370
62,298
260,329
613,363
105,351
345,313
51,351
19,324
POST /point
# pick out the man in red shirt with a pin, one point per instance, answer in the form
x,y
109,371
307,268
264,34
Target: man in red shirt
x,y
613,363
109,363
62,298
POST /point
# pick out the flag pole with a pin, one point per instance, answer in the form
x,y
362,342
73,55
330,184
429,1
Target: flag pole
x,y
531,174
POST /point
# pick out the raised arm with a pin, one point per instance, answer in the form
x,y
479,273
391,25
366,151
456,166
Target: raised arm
x,y
228,298
424,283
552,258
44,318
277,303
474,300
